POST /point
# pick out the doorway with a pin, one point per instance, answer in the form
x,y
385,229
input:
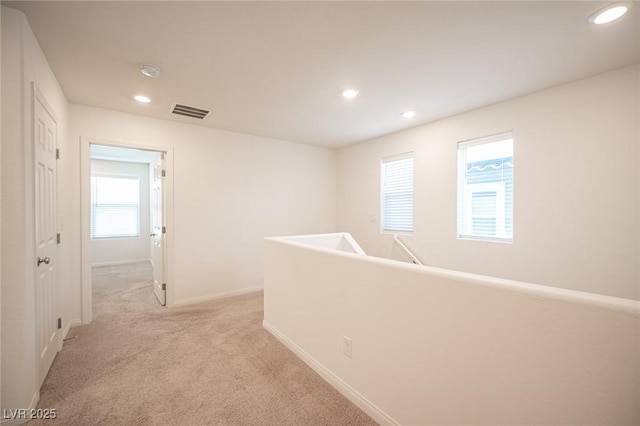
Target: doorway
x,y
126,196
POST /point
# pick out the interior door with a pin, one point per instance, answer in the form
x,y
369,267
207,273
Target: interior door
x,y
46,262
158,230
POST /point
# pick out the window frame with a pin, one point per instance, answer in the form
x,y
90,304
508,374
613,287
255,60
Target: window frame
x,y
465,190
93,206
383,162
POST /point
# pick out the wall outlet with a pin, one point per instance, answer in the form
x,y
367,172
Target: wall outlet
x,y
346,346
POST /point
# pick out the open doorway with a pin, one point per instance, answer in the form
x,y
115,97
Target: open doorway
x,y
124,229
121,269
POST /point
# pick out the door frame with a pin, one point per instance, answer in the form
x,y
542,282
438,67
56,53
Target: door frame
x,y
157,244
85,200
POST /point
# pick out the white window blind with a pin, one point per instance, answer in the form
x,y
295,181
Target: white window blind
x,y
115,206
397,193
485,188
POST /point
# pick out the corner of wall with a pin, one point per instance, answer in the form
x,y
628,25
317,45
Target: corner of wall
x,y
18,372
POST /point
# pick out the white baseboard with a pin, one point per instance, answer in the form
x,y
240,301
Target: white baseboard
x,y
215,296
72,323
351,394
120,262
12,422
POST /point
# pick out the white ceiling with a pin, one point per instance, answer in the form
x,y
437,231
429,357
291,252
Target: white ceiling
x,y
276,69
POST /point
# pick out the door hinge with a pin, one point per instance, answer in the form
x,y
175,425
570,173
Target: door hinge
x,y
164,286
164,229
164,173
57,153
59,323
58,238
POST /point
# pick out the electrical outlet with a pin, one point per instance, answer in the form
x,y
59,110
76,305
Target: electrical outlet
x,y
346,346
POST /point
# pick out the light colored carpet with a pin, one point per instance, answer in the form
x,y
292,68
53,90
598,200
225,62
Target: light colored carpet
x,y
207,364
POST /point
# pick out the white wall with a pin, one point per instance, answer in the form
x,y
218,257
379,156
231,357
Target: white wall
x,y
436,347
576,188
230,191
23,63
109,251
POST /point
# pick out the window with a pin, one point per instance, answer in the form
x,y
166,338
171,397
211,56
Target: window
x,y
115,206
397,193
485,188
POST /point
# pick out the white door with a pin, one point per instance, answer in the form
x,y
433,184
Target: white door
x,y
158,230
46,262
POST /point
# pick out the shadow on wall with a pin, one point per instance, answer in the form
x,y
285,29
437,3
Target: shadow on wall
x,y
412,344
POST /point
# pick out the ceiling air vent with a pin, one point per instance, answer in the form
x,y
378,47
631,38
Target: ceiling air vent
x,y
189,111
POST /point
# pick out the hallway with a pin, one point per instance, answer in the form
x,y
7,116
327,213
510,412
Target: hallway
x,y
211,363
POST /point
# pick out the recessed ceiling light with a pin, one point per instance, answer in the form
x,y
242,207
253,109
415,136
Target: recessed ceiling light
x,y
608,14
350,93
142,98
150,70
408,114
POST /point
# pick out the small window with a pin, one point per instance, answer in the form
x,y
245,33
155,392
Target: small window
x,y
485,188
397,193
115,206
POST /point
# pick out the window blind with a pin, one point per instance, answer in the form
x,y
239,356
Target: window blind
x,y
485,188
397,193
115,206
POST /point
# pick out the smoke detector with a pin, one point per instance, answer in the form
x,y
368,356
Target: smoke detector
x,y
150,70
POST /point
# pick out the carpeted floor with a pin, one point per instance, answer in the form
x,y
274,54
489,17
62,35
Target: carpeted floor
x,y
207,364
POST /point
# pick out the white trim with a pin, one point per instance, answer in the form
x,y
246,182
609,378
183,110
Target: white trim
x,y
617,304
34,404
486,139
85,201
465,190
396,157
351,394
120,262
85,230
344,235
70,324
223,295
